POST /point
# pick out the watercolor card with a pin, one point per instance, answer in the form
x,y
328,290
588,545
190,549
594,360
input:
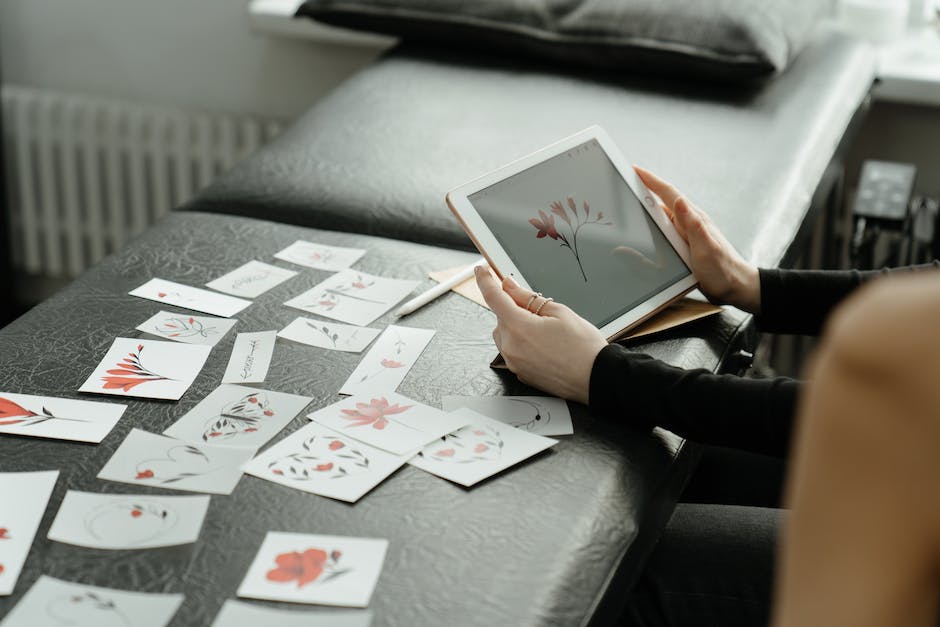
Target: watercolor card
x,y
353,297
187,329
320,256
329,335
57,418
251,357
24,496
389,360
251,280
544,415
188,297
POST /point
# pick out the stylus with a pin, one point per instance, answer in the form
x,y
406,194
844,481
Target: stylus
x,y
441,288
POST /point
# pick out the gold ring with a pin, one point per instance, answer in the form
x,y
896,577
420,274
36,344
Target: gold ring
x,y
544,302
531,300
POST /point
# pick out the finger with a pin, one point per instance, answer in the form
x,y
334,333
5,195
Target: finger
x,y
669,212
499,301
520,295
689,219
661,188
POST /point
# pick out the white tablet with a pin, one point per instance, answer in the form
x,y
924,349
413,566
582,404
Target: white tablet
x,y
575,222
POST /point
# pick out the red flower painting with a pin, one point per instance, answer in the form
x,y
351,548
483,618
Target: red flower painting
x,y
545,225
375,413
130,372
4,533
304,568
14,414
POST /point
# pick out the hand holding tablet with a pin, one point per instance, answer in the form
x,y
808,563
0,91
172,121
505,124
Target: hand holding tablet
x,y
568,221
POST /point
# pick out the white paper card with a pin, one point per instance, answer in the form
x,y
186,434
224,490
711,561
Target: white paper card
x,y
303,568
23,500
234,415
158,461
58,418
251,357
354,297
330,335
320,256
387,363
322,461
147,369
388,421
186,328
55,602
241,614
251,280
128,521
190,298
544,415
479,450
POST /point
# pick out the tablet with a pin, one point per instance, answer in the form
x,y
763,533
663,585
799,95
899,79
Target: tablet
x,y
575,222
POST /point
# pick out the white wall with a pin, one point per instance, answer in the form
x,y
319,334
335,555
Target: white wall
x,y
193,54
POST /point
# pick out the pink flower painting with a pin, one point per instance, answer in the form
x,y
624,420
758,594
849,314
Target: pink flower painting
x,y
375,413
545,225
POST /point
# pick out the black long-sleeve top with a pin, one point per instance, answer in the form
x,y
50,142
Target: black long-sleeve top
x,y
727,410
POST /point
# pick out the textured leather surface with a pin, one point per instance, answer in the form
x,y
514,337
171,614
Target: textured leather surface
x,y
378,154
550,542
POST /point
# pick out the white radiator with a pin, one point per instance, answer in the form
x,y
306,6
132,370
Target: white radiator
x,y
86,174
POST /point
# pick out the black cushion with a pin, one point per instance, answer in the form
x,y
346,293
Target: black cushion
x,y
726,39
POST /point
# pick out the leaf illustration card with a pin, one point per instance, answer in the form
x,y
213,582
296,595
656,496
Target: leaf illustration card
x,y
544,415
320,256
233,415
481,449
57,418
52,602
251,280
186,328
388,421
251,357
326,570
161,462
147,369
387,363
354,297
24,496
190,298
241,614
127,521
321,461
330,335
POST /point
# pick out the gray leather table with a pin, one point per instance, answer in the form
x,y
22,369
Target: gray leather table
x,y
554,541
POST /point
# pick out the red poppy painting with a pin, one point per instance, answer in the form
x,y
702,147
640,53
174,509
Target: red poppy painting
x,y
305,567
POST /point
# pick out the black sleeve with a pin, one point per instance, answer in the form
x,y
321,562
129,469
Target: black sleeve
x,y
726,410
799,301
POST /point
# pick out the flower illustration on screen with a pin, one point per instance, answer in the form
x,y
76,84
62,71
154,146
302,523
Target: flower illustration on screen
x,y
545,225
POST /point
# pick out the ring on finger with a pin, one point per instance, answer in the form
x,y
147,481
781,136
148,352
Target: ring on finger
x,y
532,299
542,304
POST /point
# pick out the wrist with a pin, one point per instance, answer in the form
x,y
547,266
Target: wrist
x,y
747,293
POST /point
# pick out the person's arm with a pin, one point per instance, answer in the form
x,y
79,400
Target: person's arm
x,y
726,410
800,301
862,544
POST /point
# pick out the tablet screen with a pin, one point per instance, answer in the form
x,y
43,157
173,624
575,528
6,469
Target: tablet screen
x,y
578,233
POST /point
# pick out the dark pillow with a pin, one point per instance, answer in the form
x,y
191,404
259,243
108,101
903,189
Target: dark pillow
x,y
728,39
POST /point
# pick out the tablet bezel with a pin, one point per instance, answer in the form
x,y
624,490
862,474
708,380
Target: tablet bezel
x,y
483,238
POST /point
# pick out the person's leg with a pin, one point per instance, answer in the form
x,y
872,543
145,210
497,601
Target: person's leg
x,y
712,566
862,546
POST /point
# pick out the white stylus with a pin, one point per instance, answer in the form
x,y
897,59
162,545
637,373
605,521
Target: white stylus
x,y
441,288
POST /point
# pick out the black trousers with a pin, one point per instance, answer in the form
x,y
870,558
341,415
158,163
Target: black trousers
x,y
714,564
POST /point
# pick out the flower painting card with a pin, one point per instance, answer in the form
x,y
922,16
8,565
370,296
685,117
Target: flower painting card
x,y
190,298
479,450
354,297
329,335
322,461
388,361
127,521
57,418
544,415
388,421
241,614
52,602
186,328
161,462
326,570
320,256
251,280
234,415
23,500
147,369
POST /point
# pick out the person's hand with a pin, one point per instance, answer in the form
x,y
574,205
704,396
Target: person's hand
x,y
553,351
723,275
